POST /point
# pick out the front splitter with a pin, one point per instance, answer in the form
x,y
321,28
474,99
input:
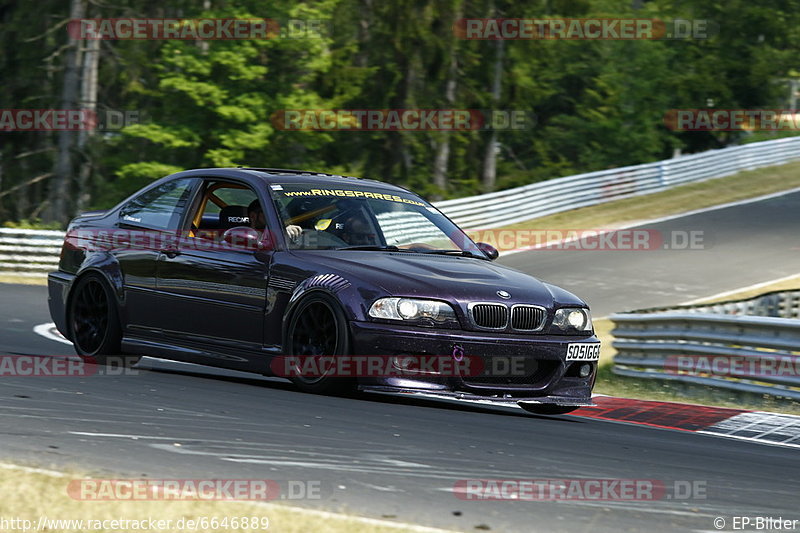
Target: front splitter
x,y
462,398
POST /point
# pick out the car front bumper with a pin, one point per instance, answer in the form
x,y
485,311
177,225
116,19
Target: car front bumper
x,y
554,380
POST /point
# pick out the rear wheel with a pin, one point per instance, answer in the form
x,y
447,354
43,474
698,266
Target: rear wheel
x,y
94,322
318,328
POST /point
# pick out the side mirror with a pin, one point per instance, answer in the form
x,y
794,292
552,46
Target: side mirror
x,y
244,238
489,250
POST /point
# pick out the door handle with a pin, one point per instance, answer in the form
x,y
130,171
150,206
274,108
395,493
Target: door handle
x,y
171,252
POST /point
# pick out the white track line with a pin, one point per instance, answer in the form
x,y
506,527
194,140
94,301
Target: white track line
x,y
765,423
48,331
31,470
636,224
749,439
715,207
742,289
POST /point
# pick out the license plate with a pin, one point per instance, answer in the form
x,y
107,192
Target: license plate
x,y
583,351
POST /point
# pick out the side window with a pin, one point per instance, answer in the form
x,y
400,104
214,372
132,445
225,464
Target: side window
x,y
160,208
225,205
229,196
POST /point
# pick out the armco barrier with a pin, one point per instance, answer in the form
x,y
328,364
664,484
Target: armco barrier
x,y
718,345
33,252
562,194
25,252
782,304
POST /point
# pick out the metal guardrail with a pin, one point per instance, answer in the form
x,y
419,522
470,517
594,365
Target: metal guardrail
x,y
783,304
758,354
562,194
26,252
33,252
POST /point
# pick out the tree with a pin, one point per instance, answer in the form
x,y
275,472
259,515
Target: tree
x,y
70,90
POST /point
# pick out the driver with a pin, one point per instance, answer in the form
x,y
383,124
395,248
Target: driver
x,y
258,220
357,230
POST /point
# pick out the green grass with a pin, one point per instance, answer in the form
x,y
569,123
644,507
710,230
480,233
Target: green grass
x,y
680,199
9,277
33,224
673,391
684,198
28,493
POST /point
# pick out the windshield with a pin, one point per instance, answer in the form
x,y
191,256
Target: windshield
x,y
364,218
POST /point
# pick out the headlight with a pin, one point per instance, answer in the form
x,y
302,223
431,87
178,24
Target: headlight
x,y
412,309
573,319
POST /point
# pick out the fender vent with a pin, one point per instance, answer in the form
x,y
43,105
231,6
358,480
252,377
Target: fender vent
x,y
282,284
332,282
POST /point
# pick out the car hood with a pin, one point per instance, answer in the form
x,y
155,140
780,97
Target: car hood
x,y
458,278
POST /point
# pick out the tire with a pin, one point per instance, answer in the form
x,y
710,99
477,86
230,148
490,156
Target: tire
x,y
93,321
548,409
318,327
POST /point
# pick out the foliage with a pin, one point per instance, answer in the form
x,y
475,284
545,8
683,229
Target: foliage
x,y
597,104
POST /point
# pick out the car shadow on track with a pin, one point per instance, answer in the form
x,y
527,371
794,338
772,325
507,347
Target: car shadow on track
x,y
281,384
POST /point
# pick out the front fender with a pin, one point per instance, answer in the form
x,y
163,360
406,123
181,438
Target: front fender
x,y
353,298
331,284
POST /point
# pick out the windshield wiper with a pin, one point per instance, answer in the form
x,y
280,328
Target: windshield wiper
x,y
462,253
391,248
373,247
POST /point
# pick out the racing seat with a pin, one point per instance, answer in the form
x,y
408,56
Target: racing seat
x,y
232,216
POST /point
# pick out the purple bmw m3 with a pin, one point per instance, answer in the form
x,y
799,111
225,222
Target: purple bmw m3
x,y
251,268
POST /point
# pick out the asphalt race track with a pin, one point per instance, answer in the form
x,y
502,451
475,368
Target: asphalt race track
x,y
742,245
399,459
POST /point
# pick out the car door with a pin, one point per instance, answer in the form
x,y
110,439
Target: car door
x,y
213,295
144,225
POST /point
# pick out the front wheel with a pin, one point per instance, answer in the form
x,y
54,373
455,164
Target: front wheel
x,y
318,328
94,322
